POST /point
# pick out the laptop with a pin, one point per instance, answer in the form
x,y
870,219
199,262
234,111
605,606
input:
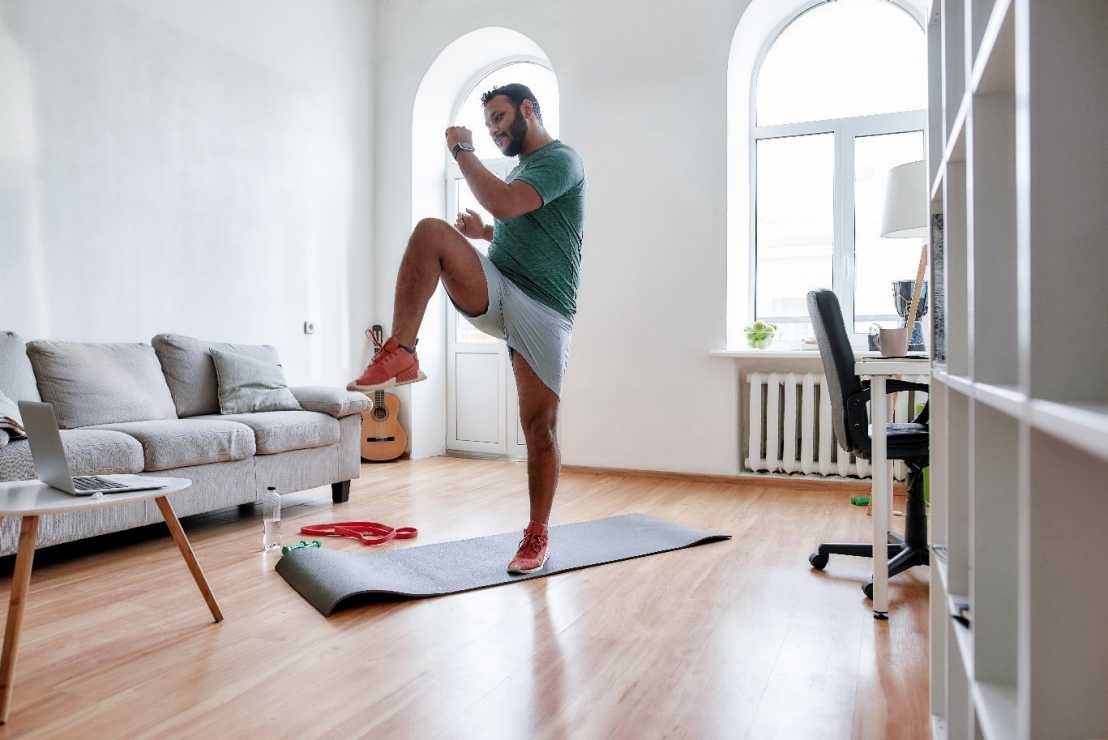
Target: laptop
x,y
51,466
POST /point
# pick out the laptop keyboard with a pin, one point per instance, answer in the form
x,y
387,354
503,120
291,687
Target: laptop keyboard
x,y
93,483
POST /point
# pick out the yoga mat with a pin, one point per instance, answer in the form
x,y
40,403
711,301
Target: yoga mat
x,y
326,578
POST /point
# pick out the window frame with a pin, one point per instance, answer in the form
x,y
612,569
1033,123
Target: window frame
x,y
844,131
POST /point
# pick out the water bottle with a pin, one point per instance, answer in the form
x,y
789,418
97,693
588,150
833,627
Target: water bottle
x,y
271,519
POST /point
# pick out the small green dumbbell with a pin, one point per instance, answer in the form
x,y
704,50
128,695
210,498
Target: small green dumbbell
x,y
300,546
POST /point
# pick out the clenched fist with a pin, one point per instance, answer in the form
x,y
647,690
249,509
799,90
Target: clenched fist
x,y
470,224
457,135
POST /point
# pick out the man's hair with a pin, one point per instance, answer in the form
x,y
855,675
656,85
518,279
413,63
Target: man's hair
x,y
516,93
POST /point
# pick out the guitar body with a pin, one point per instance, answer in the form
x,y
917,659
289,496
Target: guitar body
x,y
382,436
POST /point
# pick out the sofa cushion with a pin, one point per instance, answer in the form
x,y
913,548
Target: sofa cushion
x,y
334,402
178,443
190,372
91,384
89,452
281,431
17,379
248,385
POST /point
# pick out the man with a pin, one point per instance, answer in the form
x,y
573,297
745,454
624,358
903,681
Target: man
x,y
525,291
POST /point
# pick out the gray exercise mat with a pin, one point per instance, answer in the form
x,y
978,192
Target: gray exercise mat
x,y
326,578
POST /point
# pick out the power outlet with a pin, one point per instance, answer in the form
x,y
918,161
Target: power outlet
x,y
309,327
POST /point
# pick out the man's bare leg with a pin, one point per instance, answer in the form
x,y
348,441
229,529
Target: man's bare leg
x,y
538,414
436,250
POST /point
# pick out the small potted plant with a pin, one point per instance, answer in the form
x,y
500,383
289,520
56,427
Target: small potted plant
x,y
759,335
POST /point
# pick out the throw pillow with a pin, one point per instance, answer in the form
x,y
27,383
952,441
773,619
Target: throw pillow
x,y
247,384
190,373
92,384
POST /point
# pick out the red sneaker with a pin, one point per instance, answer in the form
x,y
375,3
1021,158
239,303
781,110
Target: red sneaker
x,y
391,366
532,552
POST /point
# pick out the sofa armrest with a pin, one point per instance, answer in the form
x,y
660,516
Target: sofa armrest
x,y
335,402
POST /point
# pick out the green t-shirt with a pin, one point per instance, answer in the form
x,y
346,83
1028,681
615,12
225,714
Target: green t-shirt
x,y
540,251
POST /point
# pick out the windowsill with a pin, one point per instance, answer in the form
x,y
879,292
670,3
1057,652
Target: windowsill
x,y
783,352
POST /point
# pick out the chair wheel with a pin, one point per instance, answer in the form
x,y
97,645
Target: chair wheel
x,y
819,562
868,590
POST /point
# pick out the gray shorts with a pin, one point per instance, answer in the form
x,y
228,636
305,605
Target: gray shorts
x,y
533,329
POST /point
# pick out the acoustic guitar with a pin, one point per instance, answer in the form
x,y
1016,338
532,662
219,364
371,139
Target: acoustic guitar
x,y
382,436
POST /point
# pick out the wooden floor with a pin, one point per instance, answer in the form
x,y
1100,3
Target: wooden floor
x,y
732,640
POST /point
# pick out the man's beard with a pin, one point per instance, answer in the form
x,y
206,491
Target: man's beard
x,y
516,134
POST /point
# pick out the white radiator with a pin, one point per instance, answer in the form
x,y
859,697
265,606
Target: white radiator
x,y
789,427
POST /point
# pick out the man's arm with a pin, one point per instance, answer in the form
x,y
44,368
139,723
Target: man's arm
x,y
503,200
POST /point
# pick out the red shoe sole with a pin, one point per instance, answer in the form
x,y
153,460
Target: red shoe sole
x,y
390,383
520,572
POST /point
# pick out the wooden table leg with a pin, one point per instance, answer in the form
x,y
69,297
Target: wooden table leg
x,y
190,557
21,578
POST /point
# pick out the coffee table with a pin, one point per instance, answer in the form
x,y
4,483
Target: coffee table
x,y
31,499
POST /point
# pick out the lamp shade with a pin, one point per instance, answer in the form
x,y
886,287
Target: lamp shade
x,y
906,202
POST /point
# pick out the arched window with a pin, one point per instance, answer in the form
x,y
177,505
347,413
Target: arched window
x,y
838,99
470,113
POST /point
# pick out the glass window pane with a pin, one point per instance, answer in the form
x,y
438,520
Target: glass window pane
x,y
795,228
878,261
465,199
842,59
543,84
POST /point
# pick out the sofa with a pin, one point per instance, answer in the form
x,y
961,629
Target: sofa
x,y
154,409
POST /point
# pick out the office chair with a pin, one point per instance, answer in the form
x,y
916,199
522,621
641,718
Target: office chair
x,y
850,421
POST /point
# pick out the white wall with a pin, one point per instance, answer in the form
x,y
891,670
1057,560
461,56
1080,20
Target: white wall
x,y
199,167
643,100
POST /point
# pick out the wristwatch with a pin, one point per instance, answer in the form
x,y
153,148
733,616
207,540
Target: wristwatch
x,y
461,146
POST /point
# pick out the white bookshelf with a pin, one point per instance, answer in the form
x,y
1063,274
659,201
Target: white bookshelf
x,y
1019,464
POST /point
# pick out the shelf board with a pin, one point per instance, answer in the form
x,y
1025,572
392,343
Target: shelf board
x,y
963,635
938,727
940,563
1083,425
937,185
997,709
955,148
956,138
994,69
1007,399
958,383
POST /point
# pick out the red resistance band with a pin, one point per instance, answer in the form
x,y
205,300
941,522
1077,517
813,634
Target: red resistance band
x,y
368,533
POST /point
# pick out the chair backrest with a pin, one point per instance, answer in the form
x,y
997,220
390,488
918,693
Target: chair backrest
x,y
838,364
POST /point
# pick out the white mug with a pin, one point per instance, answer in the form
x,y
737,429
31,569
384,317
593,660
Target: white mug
x,y
893,342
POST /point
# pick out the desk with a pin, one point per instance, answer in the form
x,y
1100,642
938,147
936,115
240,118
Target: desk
x,y
31,499
877,369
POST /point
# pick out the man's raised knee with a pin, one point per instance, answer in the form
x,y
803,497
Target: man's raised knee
x,y
429,227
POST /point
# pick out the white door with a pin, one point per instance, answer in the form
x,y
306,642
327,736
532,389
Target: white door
x,y
482,409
